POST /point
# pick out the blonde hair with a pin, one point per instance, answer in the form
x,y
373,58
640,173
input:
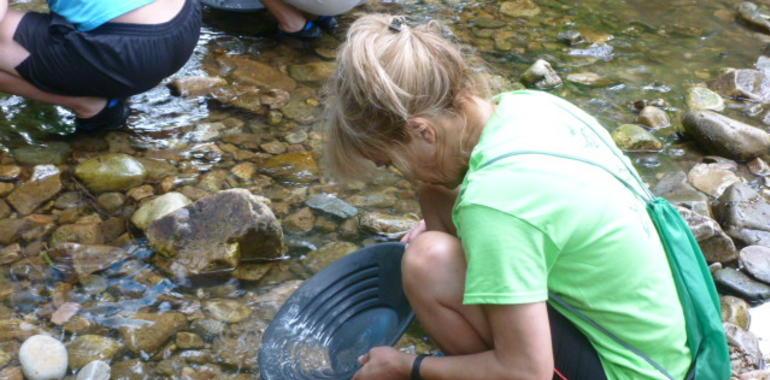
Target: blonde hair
x,y
388,73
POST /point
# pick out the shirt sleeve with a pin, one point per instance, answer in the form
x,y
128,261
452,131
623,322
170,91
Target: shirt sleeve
x,y
506,257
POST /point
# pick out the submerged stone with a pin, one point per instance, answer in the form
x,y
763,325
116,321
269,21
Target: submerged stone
x,y
44,185
720,135
255,73
385,224
226,310
703,99
158,208
323,257
43,358
95,370
51,153
217,232
88,259
330,204
150,331
313,72
519,8
87,348
196,86
633,138
298,167
111,172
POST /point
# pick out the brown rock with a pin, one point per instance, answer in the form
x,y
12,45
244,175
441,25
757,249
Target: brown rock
x,y
255,73
313,72
141,192
298,167
151,331
87,348
44,184
186,341
64,313
736,311
196,86
300,221
716,245
654,118
9,172
88,259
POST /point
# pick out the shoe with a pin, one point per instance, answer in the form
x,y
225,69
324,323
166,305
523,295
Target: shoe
x,y
327,23
310,31
113,116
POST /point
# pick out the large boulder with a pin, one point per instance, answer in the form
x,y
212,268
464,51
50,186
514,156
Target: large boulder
x,y
745,215
716,245
217,232
44,184
726,137
111,172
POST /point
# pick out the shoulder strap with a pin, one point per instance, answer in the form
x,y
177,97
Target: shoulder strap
x,y
628,346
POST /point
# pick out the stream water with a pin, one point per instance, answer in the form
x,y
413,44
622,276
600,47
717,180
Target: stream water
x,y
635,50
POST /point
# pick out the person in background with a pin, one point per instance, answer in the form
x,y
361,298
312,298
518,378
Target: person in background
x,y
91,55
292,21
532,221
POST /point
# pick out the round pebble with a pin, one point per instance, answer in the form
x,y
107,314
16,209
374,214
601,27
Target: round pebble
x,y
43,358
95,370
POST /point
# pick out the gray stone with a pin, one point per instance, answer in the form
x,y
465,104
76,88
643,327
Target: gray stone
x,y
87,348
208,329
217,232
748,84
749,12
759,167
599,50
111,172
736,311
44,185
720,135
227,310
745,215
111,202
322,257
703,99
712,179
654,117
385,224
716,245
633,138
158,208
744,341
541,75
43,358
51,153
676,188
95,370
330,204
736,282
756,260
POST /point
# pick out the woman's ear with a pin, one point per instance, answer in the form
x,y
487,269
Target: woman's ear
x,y
421,128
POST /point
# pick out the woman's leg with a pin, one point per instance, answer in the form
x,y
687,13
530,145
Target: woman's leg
x,y
290,20
12,54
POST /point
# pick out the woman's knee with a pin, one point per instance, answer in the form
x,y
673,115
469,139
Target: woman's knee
x,y
431,256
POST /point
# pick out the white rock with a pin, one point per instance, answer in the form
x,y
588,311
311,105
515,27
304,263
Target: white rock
x,y
761,328
43,358
95,370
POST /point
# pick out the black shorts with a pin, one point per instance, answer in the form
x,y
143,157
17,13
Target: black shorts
x,y
114,60
574,356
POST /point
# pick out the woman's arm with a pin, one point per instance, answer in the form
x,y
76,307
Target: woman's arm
x,y
522,341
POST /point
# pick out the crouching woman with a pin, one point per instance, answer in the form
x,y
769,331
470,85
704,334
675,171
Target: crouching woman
x,y
522,207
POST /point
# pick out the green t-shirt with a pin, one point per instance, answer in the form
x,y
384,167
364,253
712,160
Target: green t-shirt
x,y
536,223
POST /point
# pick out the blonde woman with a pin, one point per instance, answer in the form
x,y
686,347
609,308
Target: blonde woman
x,y
538,212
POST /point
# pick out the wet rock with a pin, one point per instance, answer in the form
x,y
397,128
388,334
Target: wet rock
x,y
217,232
703,99
600,51
748,84
296,137
571,37
9,172
111,202
5,210
654,117
755,375
718,134
749,12
208,329
735,282
759,167
111,172
301,221
744,341
716,245
275,98
589,79
274,147
255,73
712,179
300,110
87,348
11,373
323,257
43,358
196,86
519,8
44,185
157,169
5,188
298,167
88,259
89,233
541,75
51,153
213,181
95,370
158,208
330,204
150,331
252,272
385,224
130,370
736,311
313,72
229,311
9,254
28,228
756,261
141,192
633,138
186,341
745,215
245,171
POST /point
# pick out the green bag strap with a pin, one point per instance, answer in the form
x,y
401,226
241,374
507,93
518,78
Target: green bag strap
x,y
628,346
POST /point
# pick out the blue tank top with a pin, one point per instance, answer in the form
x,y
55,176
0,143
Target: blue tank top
x,y
90,14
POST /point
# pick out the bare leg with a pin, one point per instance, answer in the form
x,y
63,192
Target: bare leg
x,y
12,54
289,18
434,280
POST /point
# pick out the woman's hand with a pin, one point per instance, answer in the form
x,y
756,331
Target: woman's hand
x,y
384,363
416,230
